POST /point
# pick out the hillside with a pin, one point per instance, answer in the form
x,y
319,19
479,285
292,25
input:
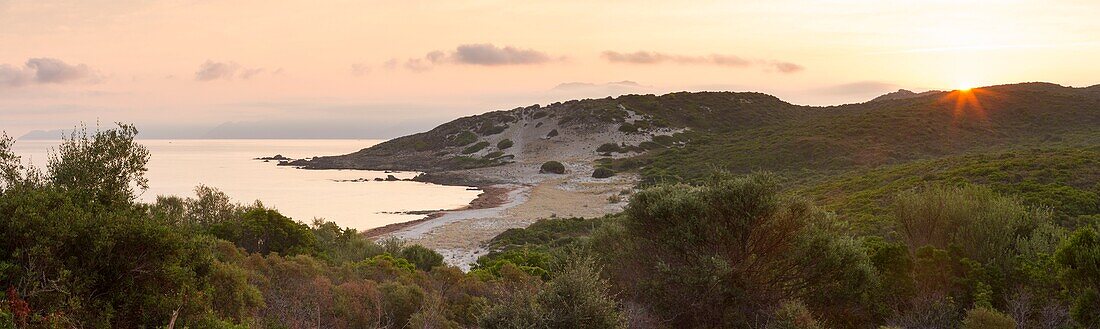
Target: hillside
x,y
680,136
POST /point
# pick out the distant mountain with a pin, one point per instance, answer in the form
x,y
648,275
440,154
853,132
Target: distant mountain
x,y
904,94
684,135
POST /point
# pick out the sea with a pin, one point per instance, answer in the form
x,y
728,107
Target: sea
x,y
350,198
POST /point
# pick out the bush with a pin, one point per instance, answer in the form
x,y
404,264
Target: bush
x,y
504,144
793,315
464,138
265,231
986,318
476,147
578,298
1079,259
602,172
552,167
983,224
552,133
424,259
493,155
628,128
609,148
733,248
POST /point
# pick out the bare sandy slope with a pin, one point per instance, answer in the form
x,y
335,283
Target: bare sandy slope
x,y
461,235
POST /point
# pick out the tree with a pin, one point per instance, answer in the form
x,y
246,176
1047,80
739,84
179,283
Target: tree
x,y
1079,259
727,252
106,166
266,230
424,259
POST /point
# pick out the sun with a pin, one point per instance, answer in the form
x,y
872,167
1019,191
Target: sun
x,y
964,86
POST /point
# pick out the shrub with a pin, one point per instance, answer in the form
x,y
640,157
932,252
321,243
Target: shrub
x,y
986,318
578,298
505,144
490,130
464,138
552,167
793,315
538,115
1079,259
476,147
609,148
732,248
424,259
265,231
648,145
602,172
983,224
552,133
628,128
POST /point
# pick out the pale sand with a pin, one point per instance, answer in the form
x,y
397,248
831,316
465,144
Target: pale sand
x,y
460,235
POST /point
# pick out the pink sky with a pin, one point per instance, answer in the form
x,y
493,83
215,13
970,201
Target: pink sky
x,y
400,66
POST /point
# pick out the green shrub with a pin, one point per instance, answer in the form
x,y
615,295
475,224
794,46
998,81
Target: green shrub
x,y
731,248
424,259
649,145
490,130
579,298
1079,259
552,167
628,128
265,231
505,144
609,148
464,138
986,318
602,172
476,147
793,315
552,133
538,115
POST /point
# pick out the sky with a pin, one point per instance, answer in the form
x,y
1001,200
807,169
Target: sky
x,y
379,69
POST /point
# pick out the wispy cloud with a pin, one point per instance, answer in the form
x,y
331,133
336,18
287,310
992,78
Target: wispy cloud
x,y
652,57
44,70
211,70
483,54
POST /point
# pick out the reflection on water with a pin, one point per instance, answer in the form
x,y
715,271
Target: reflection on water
x,y
177,166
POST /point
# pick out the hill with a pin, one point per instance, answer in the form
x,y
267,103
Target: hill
x,y
680,136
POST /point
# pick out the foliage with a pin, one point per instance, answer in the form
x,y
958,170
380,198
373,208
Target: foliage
x,y
505,144
601,172
986,318
793,315
723,252
552,134
265,231
1079,259
476,147
462,139
609,148
423,258
552,167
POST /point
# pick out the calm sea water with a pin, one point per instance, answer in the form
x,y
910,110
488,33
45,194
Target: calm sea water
x,y
176,167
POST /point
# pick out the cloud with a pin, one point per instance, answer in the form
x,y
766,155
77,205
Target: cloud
x,y
488,54
787,67
44,70
483,54
651,57
360,70
211,70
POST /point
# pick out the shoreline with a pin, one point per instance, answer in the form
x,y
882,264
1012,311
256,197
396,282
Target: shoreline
x,y
492,196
